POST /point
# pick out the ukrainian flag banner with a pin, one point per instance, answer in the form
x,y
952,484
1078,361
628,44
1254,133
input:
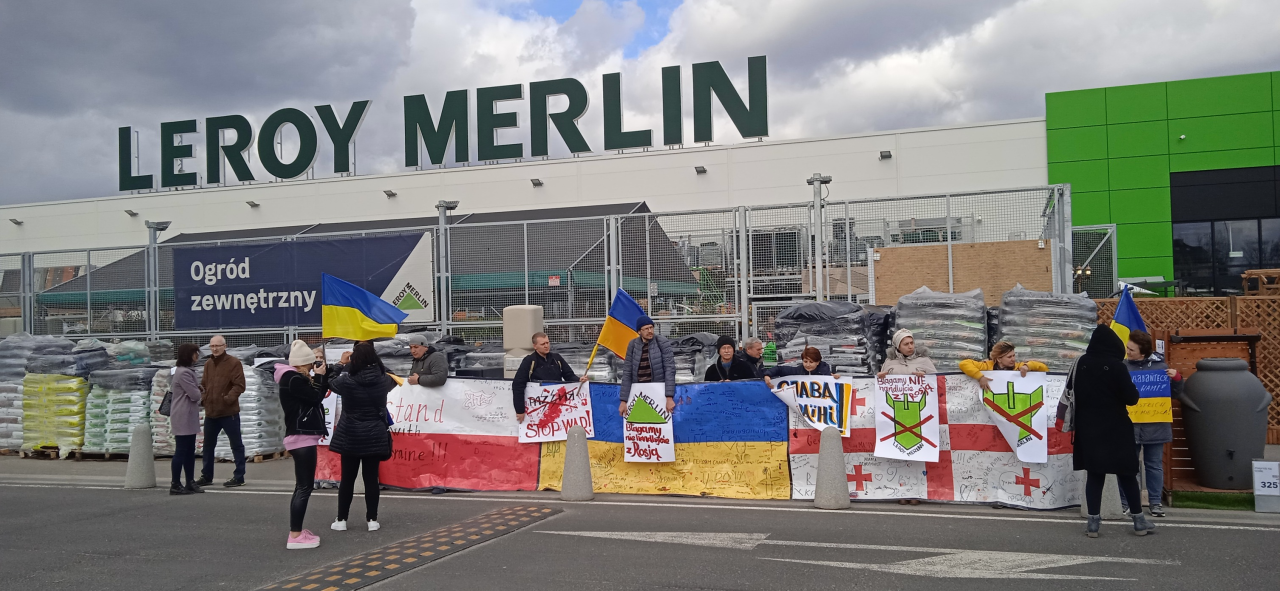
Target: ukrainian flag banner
x,y
620,326
349,312
1127,318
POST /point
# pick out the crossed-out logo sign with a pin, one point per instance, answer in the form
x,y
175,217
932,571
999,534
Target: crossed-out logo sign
x,y
1016,405
1018,408
907,417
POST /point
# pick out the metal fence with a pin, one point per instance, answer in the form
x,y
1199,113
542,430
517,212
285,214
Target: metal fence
x,y
726,271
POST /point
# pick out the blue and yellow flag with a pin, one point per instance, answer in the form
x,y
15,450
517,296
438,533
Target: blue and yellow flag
x,y
620,326
1127,318
349,312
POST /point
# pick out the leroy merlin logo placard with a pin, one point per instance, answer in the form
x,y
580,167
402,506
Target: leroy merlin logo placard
x,y
408,299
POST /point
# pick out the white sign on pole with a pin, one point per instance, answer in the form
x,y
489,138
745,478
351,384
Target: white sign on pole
x,y
551,409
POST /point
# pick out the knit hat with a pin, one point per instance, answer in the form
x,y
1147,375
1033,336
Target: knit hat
x,y
301,354
643,321
725,340
898,336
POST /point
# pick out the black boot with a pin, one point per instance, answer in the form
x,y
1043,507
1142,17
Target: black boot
x,y
178,489
194,488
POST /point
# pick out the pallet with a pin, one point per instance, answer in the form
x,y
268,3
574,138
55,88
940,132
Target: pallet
x,y
41,454
80,456
258,459
10,452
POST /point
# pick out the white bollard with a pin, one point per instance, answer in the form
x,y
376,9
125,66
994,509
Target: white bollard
x,y
141,470
1110,508
831,491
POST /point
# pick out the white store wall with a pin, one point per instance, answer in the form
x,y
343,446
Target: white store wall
x,y
937,160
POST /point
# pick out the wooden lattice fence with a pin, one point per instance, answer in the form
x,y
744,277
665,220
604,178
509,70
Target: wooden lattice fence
x,y
1260,312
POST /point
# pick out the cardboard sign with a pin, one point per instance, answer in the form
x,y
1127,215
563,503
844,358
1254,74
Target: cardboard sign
x,y
822,400
907,418
1154,402
551,409
648,435
1019,409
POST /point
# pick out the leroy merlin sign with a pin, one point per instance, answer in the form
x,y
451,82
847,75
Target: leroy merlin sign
x,y
450,121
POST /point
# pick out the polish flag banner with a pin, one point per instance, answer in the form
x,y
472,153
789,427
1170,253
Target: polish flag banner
x,y
975,462
462,435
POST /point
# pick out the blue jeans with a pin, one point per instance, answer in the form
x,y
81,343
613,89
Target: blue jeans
x,y
1153,466
231,425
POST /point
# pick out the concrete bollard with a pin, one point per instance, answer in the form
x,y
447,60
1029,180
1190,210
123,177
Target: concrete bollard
x,y
359,488
1110,508
576,484
141,470
832,489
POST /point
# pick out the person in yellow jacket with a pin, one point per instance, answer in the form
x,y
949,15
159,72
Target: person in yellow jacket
x,y
1003,358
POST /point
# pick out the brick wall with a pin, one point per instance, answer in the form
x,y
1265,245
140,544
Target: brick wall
x,y
996,267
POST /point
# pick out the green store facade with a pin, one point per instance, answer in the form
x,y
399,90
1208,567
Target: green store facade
x,y
1186,171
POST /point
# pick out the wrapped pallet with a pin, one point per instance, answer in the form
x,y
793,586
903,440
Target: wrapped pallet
x,y
261,416
119,400
162,442
951,327
837,329
14,351
53,407
1049,327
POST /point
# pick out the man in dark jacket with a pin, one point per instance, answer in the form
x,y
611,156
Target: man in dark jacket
x,y
753,354
649,359
1103,441
222,383
430,367
728,365
540,366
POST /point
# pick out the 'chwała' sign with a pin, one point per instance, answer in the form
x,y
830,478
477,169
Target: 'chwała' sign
x,y
230,138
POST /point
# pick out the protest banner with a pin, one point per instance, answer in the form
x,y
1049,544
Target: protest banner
x,y
1155,404
551,409
907,418
823,401
1017,406
648,435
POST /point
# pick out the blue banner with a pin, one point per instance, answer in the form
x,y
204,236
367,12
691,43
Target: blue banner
x,y
278,284
1151,383
705,412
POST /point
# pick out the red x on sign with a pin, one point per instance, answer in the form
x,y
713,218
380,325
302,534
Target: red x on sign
x,y
1016,419
1027,482
859,478
913,429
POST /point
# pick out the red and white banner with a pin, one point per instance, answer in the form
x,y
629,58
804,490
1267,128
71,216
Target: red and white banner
x,y
462,435
975,462
552,409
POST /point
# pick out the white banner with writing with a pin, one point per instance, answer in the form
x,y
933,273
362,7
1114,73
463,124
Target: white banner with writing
x,y
907,417
551,409
647,432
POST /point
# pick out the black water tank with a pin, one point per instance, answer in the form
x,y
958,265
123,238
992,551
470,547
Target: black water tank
x,y
1224,410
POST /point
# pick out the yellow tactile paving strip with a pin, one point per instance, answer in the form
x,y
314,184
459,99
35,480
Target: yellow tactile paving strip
x,y
388,561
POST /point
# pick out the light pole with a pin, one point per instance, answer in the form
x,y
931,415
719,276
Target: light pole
x,y
153,275
819,269
442,255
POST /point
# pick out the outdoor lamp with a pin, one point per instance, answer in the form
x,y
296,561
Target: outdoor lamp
x,y
132,213
536,182
389,193
16,221
700,169
886,154
253,203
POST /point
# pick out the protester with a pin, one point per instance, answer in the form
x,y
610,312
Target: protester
x,y
301,397
540,366
430,366
222,384
903,358
362,436
184,419
1002,358
1150,437
1103,442
811,364
753,354
649,359
728,365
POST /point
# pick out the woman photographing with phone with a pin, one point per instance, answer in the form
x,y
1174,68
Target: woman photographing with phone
x,y
303,387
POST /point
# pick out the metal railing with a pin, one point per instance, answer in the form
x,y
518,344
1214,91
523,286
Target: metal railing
x,y
729,270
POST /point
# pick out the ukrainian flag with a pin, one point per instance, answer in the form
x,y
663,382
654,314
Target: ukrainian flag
x,y
1127,318
620,326
349,312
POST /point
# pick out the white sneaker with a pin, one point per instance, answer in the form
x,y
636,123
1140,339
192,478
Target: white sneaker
x,y
373,525
338,525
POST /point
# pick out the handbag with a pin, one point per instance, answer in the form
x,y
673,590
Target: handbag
x,y
387,456
166,405
1067,403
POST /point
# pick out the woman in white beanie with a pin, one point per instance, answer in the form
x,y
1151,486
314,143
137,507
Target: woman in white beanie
x,y
303,387
903,359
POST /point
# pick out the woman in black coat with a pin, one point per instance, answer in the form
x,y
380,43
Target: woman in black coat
x,y
362,436
1103,432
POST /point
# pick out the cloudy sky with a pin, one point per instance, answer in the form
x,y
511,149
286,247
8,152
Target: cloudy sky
x,y
76,70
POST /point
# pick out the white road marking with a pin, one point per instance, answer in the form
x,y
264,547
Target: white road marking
x,y
952,563
1163,523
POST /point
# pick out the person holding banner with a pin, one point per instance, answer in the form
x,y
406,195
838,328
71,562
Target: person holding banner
x,y
811,364
362,436
1002,358
1103,442
301,397
728,365
540,366
903,359
1150,438
649,359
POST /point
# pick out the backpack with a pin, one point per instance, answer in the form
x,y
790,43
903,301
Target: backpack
x,y
1067,403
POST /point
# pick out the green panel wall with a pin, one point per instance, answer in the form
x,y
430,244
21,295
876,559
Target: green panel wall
x,y
1117,147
